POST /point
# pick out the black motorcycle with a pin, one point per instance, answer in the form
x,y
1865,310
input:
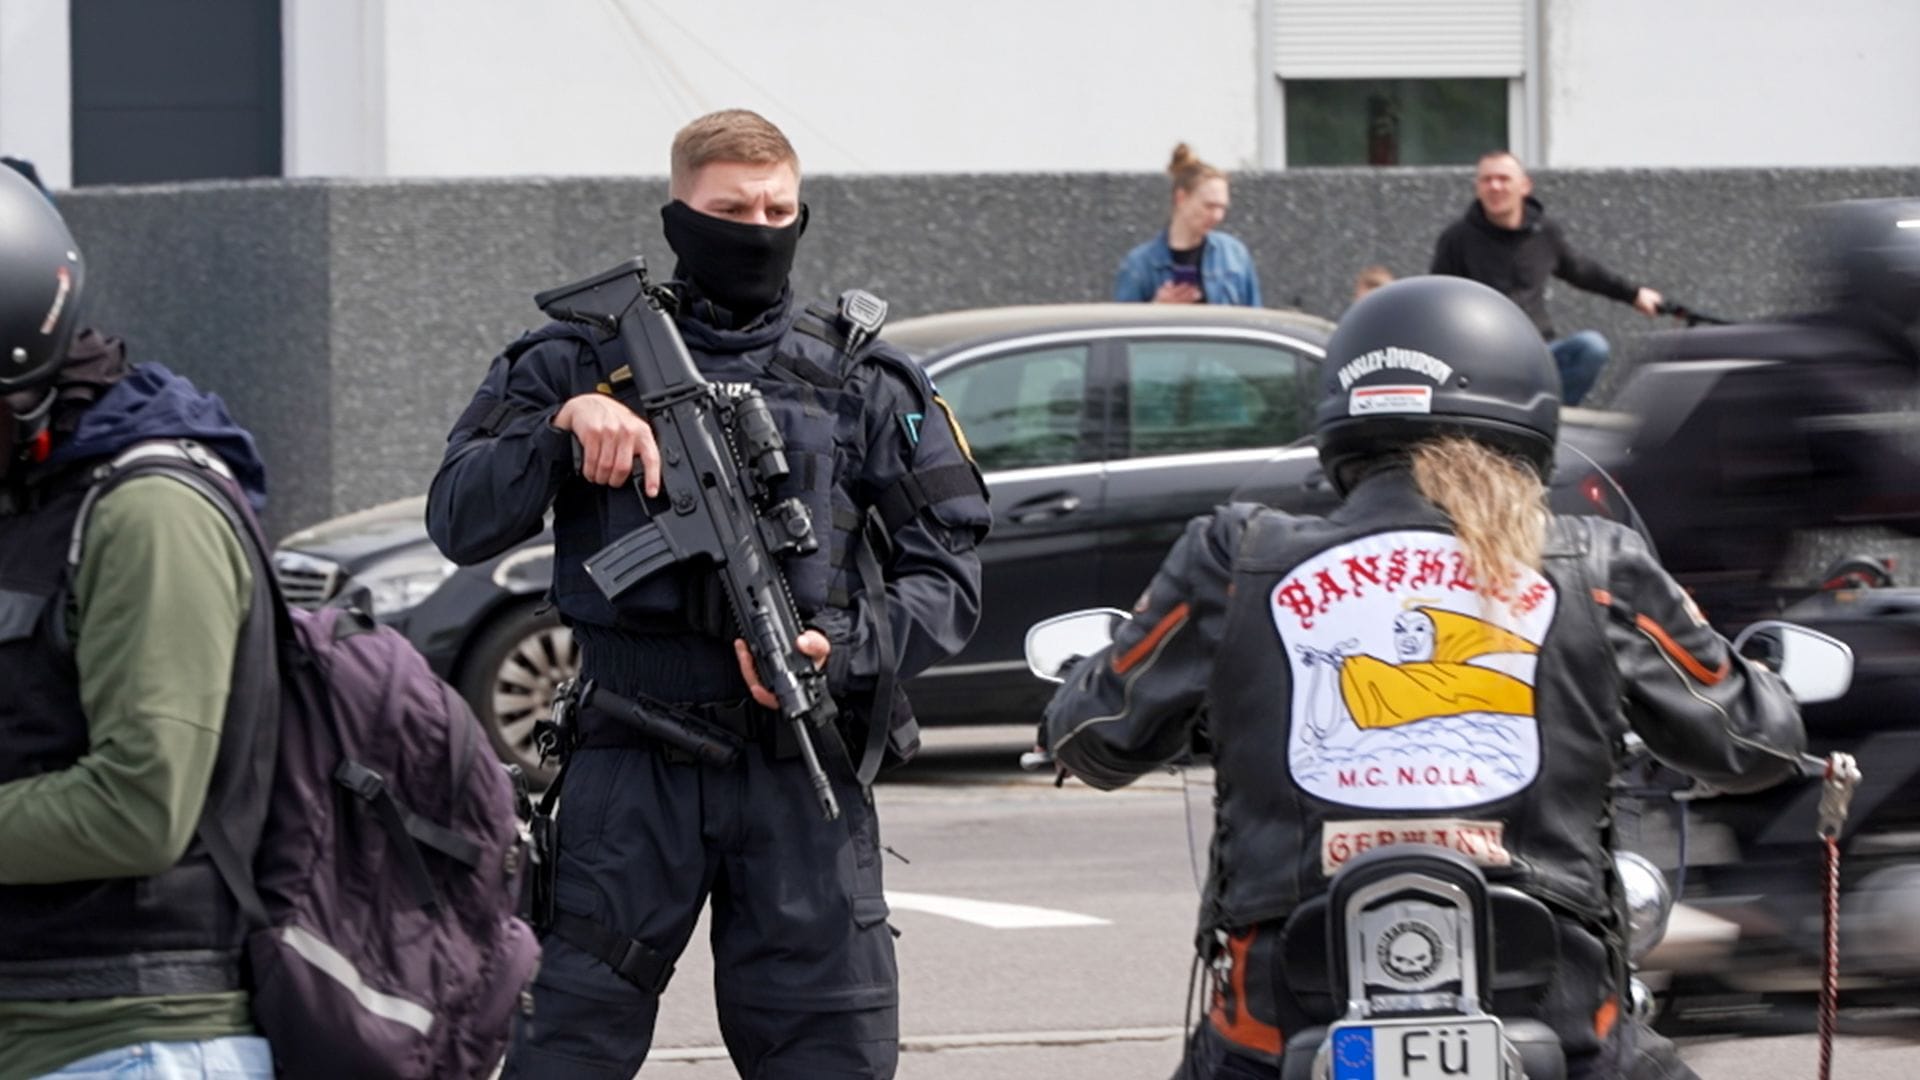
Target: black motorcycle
x,y
1429,969
1749,939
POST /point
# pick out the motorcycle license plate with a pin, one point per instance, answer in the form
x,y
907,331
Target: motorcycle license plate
x,y
1422,1048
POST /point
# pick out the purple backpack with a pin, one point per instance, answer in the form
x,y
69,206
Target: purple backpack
x,y
384,892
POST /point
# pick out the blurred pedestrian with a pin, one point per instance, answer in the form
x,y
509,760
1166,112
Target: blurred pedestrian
x,y
1191,261
1370,279
1506,240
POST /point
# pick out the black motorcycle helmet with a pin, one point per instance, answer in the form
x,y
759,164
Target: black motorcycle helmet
x,y
41,280
1428,356
1874,250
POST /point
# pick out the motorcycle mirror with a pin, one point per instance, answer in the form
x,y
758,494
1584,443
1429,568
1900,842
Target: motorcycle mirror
x,y
1054,643
1815,666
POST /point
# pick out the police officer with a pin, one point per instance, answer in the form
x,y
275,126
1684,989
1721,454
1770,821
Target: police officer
x,y
804,966
138,674
1441,653
1820,438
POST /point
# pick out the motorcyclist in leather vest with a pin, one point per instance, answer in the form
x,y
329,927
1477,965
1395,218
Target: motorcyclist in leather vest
x,y
804,965
137,683
1439,661
1821,438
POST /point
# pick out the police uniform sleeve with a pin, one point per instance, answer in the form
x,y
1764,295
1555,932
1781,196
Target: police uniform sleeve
x,y
505,459
930,501
1700,707
1130,707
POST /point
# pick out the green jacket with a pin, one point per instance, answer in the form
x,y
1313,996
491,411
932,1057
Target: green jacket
x,y
159,602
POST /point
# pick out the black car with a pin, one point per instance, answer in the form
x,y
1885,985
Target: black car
x,y
1101,429
1591,443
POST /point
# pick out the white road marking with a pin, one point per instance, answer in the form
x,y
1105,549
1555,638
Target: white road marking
x,y
926,1043
988,913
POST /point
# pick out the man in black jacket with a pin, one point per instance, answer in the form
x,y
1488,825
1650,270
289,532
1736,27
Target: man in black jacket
x,y
1505,240
803,960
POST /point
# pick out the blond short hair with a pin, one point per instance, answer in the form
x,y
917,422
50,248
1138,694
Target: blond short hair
x,y
740,135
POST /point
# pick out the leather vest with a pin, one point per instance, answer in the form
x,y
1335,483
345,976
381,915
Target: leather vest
x,y
1491,731
179,931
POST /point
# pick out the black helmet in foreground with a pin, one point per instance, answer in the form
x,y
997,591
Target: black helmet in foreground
x,y
1874,246
1429,356
41,279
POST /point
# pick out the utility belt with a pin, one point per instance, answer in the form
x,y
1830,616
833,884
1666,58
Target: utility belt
x,y
585,715
707,733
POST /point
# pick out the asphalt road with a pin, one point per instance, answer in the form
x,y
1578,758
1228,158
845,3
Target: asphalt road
x,y
1085,979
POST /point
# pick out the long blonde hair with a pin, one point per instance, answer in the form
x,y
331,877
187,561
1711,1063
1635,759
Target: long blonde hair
x,y
1497,503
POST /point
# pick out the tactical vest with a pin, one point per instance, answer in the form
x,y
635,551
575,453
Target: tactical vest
x,y
179,931
1294,801
816,387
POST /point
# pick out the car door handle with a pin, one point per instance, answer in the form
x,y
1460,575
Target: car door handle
x,y
1044,509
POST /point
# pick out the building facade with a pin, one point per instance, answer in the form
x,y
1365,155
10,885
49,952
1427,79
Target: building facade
x,y
115,91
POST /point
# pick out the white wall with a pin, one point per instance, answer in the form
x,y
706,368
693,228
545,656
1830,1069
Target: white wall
x,y
36,88
1732,82
510,87
332,72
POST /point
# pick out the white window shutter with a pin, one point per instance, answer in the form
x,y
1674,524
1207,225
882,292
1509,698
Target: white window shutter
x,y
1399,39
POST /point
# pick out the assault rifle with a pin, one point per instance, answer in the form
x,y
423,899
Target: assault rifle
x,y
720,457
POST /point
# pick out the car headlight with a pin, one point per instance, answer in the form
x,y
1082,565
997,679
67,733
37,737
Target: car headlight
x,y
402,582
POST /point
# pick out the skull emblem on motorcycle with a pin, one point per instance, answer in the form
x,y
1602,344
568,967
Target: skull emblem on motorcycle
x,y
1410,951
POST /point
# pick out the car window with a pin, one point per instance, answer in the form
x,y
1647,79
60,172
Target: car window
x,y
1192,396
1023,409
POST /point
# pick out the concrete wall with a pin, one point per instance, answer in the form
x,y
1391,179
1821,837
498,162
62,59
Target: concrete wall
x,y
1712,83
348,322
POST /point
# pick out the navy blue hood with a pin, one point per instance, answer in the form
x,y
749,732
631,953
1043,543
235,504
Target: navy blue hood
x,y
154,403
708,328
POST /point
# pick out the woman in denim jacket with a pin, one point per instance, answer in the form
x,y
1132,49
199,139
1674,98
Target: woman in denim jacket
x,y
1190,262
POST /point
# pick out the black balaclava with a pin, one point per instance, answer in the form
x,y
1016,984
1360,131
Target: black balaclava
x,y
742,268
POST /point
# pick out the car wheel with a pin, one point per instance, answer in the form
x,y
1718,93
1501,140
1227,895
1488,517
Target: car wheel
x,y
509,679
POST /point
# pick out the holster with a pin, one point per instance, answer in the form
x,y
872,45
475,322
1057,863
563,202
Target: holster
x,y
677,728
554,738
